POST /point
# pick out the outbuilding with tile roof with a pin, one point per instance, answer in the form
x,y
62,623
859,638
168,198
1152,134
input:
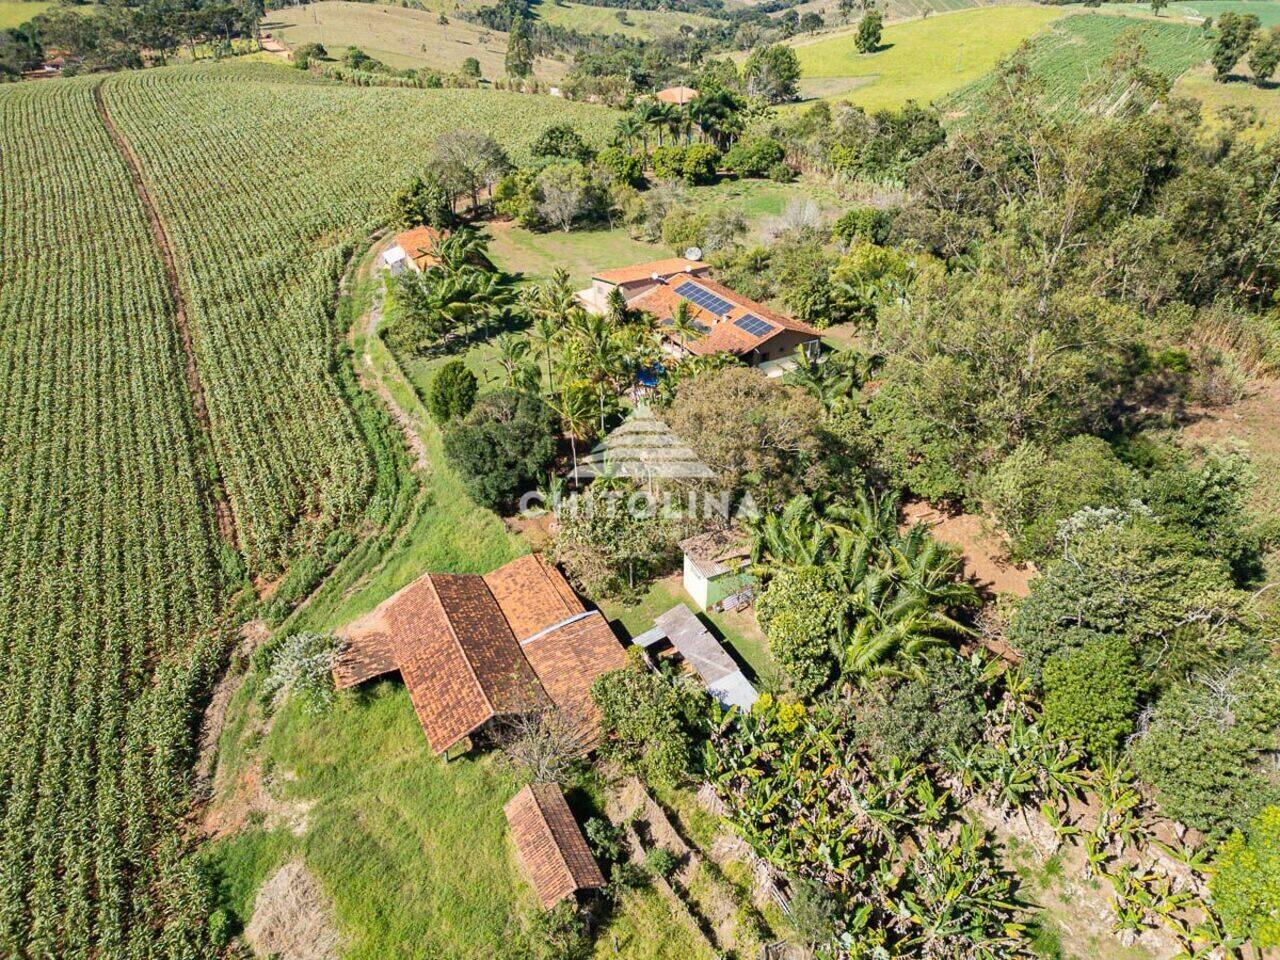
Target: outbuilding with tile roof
x,y
550,845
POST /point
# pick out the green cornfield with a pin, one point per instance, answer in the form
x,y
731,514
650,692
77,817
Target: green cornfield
x,y
114,575
1069,61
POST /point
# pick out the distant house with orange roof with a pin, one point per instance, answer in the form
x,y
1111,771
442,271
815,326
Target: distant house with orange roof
x,y
726,321
413,250
473,649
677,95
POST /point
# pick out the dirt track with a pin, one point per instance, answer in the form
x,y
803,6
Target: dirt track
x,y
222,509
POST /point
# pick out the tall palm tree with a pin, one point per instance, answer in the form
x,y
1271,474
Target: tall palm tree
x,y
513,353
648,115
574,407
660,116
718,115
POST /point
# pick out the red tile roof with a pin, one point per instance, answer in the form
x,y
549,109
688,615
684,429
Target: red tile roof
x,y
456,640
532,594
644,271
419,245
551,847
724,335
568,658
677,95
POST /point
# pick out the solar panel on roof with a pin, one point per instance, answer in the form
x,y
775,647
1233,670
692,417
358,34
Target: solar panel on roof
x,y
753,325
703,298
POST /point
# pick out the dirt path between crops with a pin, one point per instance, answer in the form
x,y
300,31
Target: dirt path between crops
x,y
370,376
221,506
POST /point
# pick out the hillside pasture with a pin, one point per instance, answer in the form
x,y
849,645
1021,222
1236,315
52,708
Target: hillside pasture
x,y
402,38
1070,61
14,13
1214,97
1267,11
893,10
921,60
641,24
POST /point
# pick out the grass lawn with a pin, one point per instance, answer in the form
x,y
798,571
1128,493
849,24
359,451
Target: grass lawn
x,y
641,24
1215,97
921,60
14,14
581,252
400,37
893,10
761,200
738,630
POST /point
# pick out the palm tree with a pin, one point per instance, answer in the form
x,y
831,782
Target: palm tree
x,y
513,353
573,406
660,116
683,327
649,115
628,128
718,115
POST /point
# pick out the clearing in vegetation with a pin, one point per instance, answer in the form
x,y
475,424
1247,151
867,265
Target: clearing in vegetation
x,y
1267,11
402,38
1215,97
893,10
922,60
1073,54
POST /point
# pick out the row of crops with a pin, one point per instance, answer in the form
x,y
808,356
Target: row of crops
x,y
109,579
263,185
113,578
1070,62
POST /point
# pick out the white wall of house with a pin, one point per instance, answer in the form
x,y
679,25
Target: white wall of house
x,y
395,260
695,584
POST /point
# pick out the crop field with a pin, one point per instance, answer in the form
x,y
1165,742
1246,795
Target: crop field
x,y
643,24
13,13
115,572
922,60
1071,57
401,38
109,576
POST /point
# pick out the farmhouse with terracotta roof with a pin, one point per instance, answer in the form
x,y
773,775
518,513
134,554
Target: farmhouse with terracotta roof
x,y
726,321
474,649
552,850
414,250
679,96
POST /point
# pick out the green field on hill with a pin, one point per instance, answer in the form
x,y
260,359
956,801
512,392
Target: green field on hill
x,y
1071,57
14,13
1267,11
922,60
400,37
893,10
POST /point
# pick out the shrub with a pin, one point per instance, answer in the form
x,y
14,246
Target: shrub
x,y
754,157
1091,695
301,666
661,862
922,717
625,167
424,202
668,163
452,392
701,161
471,67
867,224
781,173
503,446
1245,881
303,56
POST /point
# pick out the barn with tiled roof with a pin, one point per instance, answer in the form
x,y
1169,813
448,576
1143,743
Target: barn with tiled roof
x,y
473,649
